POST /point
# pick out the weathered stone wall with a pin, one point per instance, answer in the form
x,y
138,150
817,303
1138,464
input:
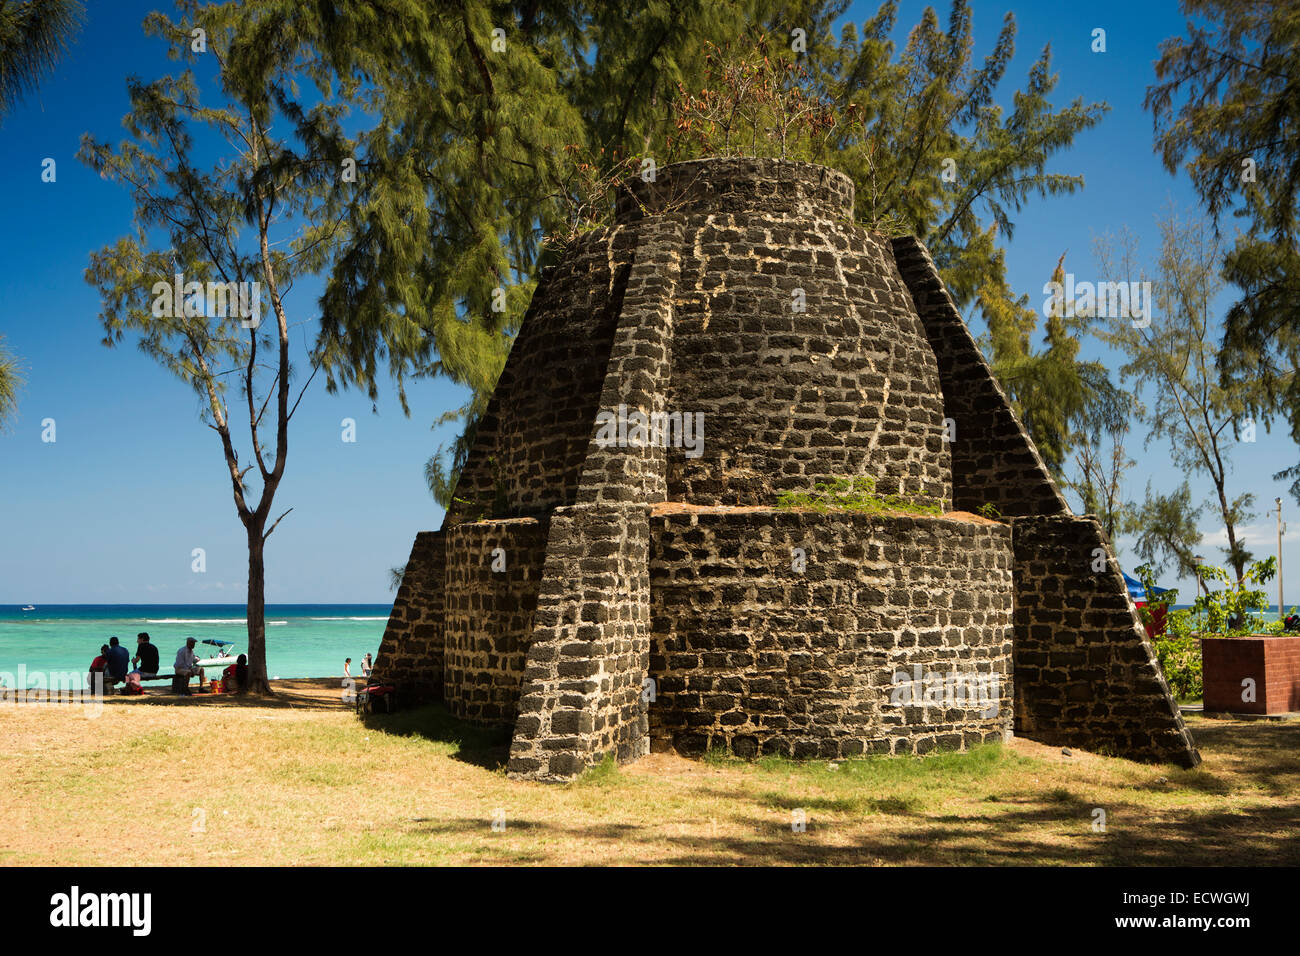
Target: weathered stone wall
x,y
993,459
530,445
1086,675
585,670
752,655
795,337
637,373
411,651
713,186
489,614
582,688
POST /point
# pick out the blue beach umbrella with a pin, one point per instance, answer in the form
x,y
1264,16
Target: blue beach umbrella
x,y
1136,591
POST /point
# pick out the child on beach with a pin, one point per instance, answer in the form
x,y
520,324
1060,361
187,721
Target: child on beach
x,y
234,679
97,666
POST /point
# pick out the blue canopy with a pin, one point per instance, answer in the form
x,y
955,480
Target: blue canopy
x,y
219,643
1137,592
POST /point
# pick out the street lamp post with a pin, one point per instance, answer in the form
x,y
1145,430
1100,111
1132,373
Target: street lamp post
x,y
1200,560
1281,528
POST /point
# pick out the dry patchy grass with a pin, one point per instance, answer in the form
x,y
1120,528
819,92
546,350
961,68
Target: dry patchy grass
x,y
302,781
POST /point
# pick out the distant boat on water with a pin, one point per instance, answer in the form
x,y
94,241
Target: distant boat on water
x,y
29,608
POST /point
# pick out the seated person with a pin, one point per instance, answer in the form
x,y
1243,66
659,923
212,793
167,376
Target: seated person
x,y
146,656
234,679
187,665
119,661
97,667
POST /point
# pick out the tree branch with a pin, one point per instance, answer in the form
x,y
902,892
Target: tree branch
x,y
274,525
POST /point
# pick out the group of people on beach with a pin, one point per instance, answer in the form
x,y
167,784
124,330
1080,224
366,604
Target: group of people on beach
x,y
116,666
367,665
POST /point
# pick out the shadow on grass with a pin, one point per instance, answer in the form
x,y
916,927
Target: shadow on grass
x,y
320,694
276,702
1053,825
1027,825
849,803
486,747
1025,835
1270,749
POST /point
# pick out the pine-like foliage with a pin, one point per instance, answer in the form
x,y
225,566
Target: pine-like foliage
x,y
33,35
488,109
936,153
1173,358
1226,109
10,381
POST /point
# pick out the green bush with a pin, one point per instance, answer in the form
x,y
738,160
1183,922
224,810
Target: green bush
x,y
1235,610
1228,612
1180,659
1178,649
855,494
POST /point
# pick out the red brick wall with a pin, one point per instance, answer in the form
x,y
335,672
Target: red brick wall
x,y
1273,663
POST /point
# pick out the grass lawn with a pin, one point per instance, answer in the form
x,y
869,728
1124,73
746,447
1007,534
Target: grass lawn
x,y
300,780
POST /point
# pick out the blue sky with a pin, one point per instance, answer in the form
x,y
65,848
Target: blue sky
x,y
111,511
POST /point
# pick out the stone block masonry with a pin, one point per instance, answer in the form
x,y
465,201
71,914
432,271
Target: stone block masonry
x,y
797,339
993,459
582,693
636,374
586,669
1086,675
493,572
656,601
530,447
895,637
411,652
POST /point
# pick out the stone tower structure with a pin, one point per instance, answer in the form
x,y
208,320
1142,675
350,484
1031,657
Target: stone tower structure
x,y
615,574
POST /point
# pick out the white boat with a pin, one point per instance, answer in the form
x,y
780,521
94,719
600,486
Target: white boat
x,y
225,654
30,607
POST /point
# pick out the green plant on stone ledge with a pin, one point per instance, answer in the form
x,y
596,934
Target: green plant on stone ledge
x,y
853,494
989,510
758,101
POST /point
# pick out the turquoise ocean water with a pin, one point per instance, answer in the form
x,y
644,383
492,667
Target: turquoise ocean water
x,y
302,640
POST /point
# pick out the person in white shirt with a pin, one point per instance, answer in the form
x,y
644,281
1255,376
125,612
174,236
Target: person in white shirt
x,y
187,665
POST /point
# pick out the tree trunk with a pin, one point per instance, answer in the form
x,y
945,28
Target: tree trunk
x,y
257,678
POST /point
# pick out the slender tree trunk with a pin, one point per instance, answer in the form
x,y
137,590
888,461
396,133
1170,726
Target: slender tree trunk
x,y
1238,566
257,678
